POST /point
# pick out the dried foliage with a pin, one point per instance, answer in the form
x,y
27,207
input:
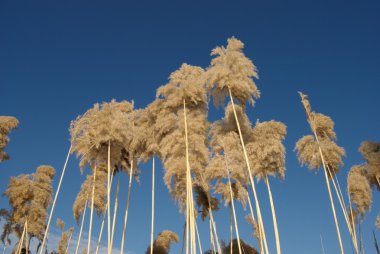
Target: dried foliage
x,y
161,244
85,193
226,146
185,85
359,190
371,153
245,248
7,124
230,68
103,124
61,224
255,228
205,201
266,152
63,241
307,147
30,196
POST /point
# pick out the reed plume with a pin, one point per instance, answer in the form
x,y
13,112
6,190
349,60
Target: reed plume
x,y
359,190
246,248
7,124
321,150
29,197
371,153
161,244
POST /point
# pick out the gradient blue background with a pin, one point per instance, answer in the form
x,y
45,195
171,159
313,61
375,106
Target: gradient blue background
x,y
58,58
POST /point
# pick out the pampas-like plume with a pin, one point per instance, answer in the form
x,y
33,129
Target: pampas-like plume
x,y
371,153
64,241
85,193
185,84
7,123
267,157
30,196
61,224
231,69
162,243
246,248
321,150
359,190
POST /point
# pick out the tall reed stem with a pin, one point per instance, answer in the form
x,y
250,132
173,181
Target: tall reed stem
x,y
259,217
114,214
21,242
92,212
54,201
127,208
189,190
152,218
233,209
108,198
278,247
325,173
81,226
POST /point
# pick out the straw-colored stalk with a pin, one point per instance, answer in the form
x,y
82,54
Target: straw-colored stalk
x,y
233,210
211,238
92,212
323,248
102,225
260,240
199,239
127,209
152,218
215,231
81,227
19,247
259,217
344,209
190,229
100,233
278,247
54,201
108,198
26,237
5,247
114,214
352,220
325,170
69,242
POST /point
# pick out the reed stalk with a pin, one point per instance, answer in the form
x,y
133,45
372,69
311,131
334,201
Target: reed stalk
x,y
108,198
54,201
81,227
92,212
259,217
127,208
278,247
68,244
114,214
152,218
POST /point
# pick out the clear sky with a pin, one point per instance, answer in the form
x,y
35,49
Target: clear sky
x,y
58,58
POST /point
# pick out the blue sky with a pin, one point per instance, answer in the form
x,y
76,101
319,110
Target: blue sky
x,y
58,58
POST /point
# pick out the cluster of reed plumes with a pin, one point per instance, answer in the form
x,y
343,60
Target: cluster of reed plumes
x,y
204,163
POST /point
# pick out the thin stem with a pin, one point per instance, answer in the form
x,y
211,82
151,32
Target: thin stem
x,y
259,217
199,239
127,207
54,201
68,244
189,199
92,212
215,231
108,198
114,214
273,216
81,226
211,238
26,237
323,249
152,219
259,239
233,211
20,243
